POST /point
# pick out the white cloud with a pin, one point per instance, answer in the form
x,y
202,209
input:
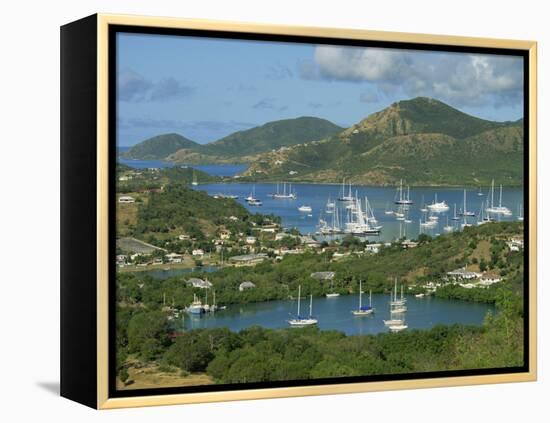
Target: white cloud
x,y
460,78
133,87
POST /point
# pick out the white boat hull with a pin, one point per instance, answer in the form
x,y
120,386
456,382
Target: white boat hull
x,y
302,322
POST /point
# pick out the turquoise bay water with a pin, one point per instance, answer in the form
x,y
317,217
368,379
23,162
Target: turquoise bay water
x,y
335,314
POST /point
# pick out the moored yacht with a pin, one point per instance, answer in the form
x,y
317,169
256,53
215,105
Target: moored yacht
x,y
303,321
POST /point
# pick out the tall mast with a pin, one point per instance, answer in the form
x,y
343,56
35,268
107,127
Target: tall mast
x,y
492,192
360,294
299,293
464,201
500,199
370,298
310,305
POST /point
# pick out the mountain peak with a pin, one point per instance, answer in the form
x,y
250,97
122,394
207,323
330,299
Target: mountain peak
x,y
159,146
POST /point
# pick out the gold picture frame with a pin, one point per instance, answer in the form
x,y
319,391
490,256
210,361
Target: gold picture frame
x,y
98,28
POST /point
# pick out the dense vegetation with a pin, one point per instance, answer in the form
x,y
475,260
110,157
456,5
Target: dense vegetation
x,y
144,332
256,354
180,209
484,245
139,180
397,142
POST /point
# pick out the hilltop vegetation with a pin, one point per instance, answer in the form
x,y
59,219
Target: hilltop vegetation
x,y
237,147
423,141
273,135
130,180
158,147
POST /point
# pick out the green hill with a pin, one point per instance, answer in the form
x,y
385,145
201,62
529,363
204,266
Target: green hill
x,y
237,147
159,147
423,141
273,135
243,145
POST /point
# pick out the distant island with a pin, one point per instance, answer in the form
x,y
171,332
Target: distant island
x,y
423,141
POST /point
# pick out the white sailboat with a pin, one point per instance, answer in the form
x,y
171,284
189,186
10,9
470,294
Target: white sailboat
x,y
305,209
465,211
196,307
251,199
363,310
284,195
400,213
359,222
345,197
479,193
331,205
393,320
303,321
332,294
424,209
500,209
403,200
520,213
388,210
455,217
482,218
395,301
398,327
447,227
438,206
194,183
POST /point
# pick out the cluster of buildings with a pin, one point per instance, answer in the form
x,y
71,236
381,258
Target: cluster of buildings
x,y
469,279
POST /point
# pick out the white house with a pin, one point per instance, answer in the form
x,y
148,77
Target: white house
x,y
199,283
197,252
184,237
174,258
515,244
126,199
373,248
246,285
248,259
488,280
250,240
323,276
463,274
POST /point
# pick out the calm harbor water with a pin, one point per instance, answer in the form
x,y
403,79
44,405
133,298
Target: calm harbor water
x,y
380,199
335,314
215,170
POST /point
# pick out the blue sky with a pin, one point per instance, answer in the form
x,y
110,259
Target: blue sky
x,y
205,89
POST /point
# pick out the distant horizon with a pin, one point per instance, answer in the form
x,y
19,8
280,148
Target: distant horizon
x,y
179,132
207,88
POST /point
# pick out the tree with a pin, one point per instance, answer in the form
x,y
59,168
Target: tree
x,y
147,333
